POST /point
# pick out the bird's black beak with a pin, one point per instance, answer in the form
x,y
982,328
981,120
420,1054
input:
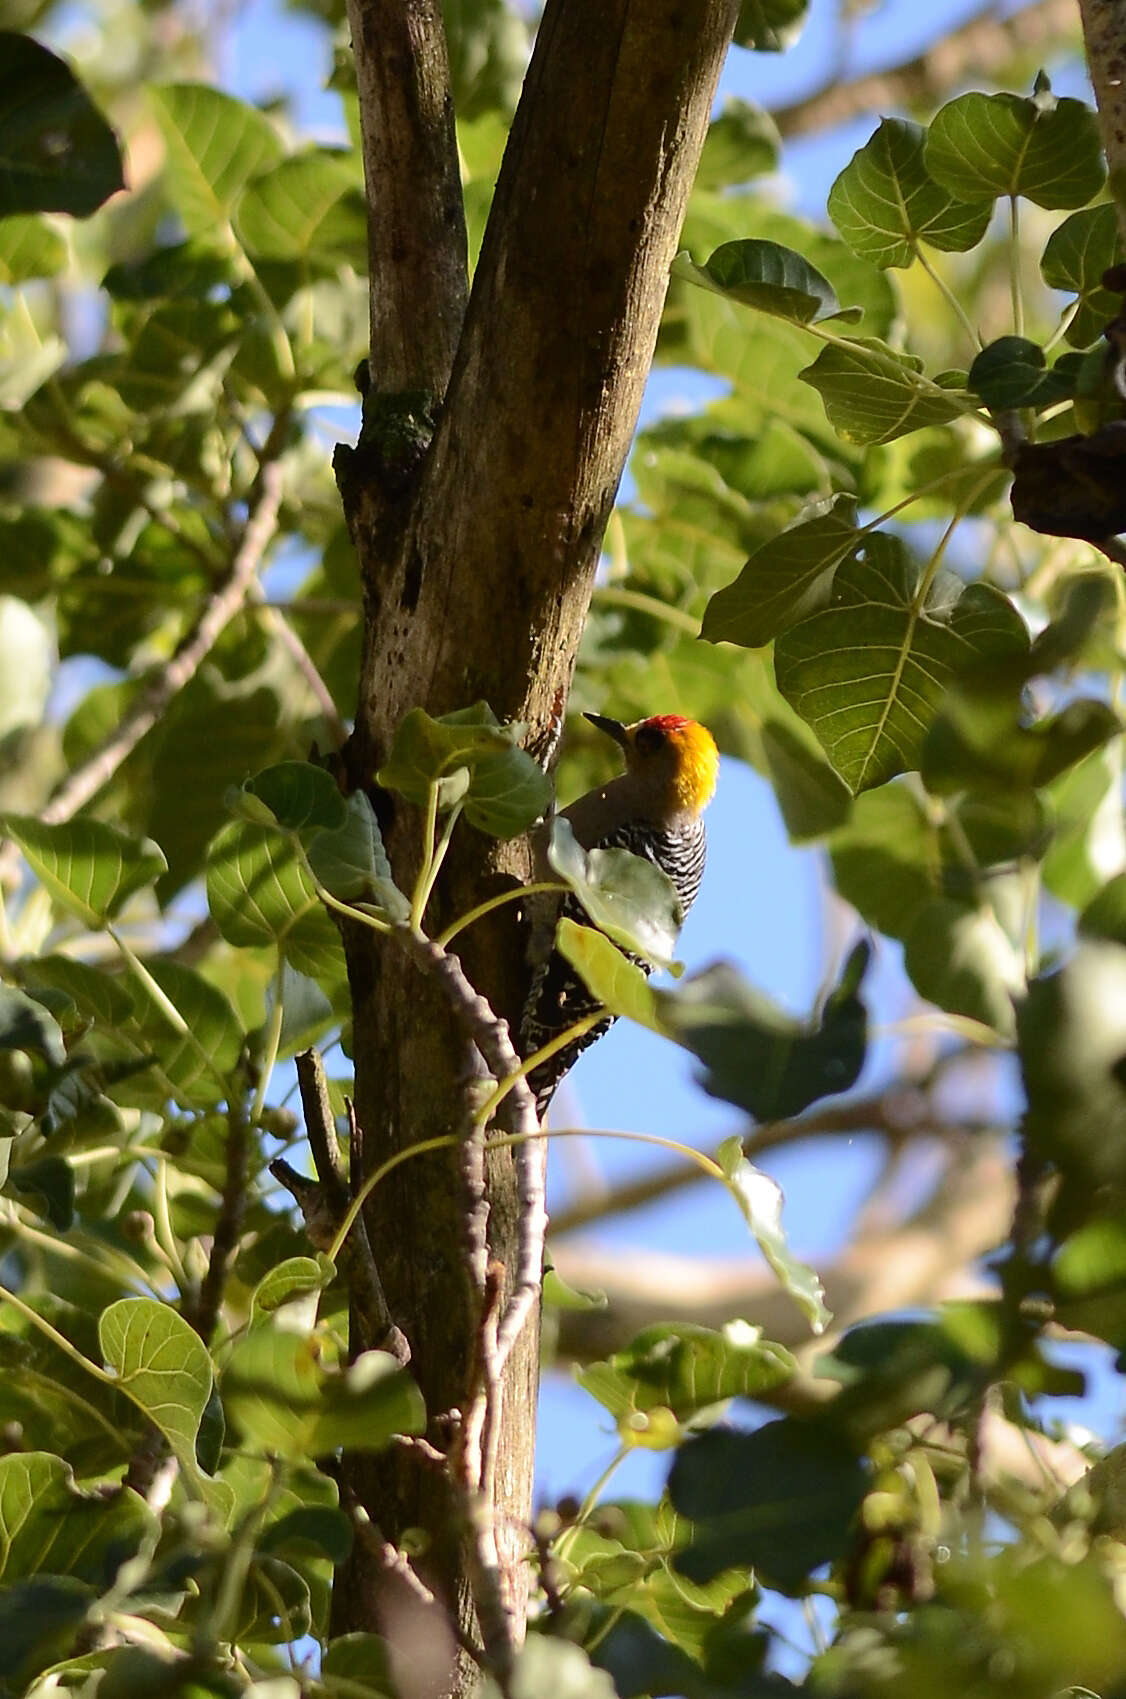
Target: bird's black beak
x,y
612,728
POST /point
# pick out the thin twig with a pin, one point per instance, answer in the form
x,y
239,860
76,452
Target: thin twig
x,y
276,621
86,781
205,1312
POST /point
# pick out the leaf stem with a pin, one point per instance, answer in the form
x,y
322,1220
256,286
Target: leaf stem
x,y
273,1040
618,596
490,904
430,826
439,856
560,1042
569,1535
949,297
57,1339
1014,265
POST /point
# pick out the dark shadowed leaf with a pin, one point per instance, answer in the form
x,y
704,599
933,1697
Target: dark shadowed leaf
x,y
787,577
757,1056
57,153
27,1025
1075,257
770,26
781,1500
767,276
873,394
1013,372
741,143
47,1185
48,1526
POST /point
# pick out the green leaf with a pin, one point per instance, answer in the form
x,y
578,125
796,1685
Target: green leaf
x,y
39,1619
296,1277
958,955
214,146
551,1666
786,578
351,861
687,1369
1105,915
781,1500
1005,144
91,868
1077,254
27,1025
319,1528
193,1065
1013,372
160,1363
755,1055
1072,1038
760,1199
101,997
627,897
48,1526
361,1659
770,26
504,790
870,673
259,893
767,276
873,395
300,795
310,207
57,153
48,1183
29,247
742,143
885,202
284,1402
813,798
980,740
605,971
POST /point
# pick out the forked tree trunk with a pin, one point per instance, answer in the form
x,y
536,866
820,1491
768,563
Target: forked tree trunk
x,y
478,564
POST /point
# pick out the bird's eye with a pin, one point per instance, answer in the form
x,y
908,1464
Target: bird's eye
x,y
649,738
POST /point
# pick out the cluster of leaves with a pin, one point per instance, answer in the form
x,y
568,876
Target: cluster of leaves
x,y
174,943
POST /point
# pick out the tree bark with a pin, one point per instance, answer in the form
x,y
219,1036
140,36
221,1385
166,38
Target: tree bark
x,y
1104,37
478,552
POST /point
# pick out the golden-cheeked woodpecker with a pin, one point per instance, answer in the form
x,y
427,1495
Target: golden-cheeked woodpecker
x,y
654,809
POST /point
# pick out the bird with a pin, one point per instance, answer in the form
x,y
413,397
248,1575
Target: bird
x,y
654,809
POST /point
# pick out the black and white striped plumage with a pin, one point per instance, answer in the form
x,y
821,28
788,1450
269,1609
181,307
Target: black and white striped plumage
x,y
654,810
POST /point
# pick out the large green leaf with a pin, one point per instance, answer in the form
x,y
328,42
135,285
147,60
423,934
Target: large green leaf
x,y
614,981
215,145
310,207
873,395
781,1500
194,1065
627,897
1013,372
757,1056
27,1025
885,202
29,247
90,867
870,672
786,578
286,1403
687,1369
474,760
48,1527
768,276
1077,254
1006,144
160,1363
259,893
57,153
742,143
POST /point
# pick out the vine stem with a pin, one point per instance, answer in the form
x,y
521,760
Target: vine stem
x,y
949,297
487,907
1014,265
273,1041
430,826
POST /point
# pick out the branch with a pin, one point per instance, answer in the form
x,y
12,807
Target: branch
x,y
917,1261
275,620
900,1112
1104,37
86,781
205,1311
417,251
980,48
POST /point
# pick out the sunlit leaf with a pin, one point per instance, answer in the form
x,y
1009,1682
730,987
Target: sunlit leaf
x,y
614,981
885,202
627,897
48,1526
90,867
161,1364
1046,149
215,144
687,1369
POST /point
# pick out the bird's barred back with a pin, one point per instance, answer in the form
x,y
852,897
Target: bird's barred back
x,y
559,996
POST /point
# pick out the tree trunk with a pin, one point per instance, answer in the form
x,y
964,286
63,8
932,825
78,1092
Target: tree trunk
x,y
478,549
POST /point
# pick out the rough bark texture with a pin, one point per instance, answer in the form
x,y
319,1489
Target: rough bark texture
x,y
1104,36
478,556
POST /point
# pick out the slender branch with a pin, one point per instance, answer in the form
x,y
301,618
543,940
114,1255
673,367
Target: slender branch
x,y
204,1313
147,707
276,621
981,47
897,1113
